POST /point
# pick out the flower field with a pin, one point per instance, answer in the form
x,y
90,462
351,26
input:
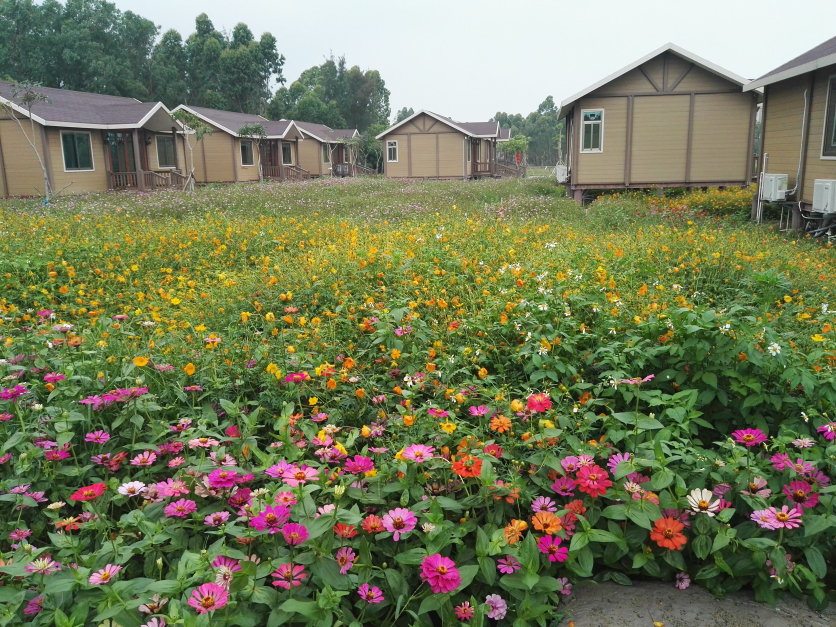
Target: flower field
x,y
382,403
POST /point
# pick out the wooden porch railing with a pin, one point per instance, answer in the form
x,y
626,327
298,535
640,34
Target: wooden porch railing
x,y
294,172
121,180
166,179
504,170
283,172
480,167
364,171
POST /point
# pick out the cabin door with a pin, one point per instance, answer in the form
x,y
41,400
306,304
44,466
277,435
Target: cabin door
x,y
121,153
474,154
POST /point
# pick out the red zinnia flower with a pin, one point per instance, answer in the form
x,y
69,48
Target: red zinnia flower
x,y
468,466
89,493
373,524
593,480
345,531
667,534
539,402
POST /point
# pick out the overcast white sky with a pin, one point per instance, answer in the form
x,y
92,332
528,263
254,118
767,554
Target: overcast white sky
x,y
468,59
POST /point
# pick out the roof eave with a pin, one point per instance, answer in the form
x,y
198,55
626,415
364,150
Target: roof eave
x,y
810,66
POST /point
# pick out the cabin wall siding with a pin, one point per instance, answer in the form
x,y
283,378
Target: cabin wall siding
x,y
816,167
699,79
720,144
77,181
423,155
607,166
450,154
23,173
437,150
782,126
399,168
217,149
633,82
246,173
310,157
660,139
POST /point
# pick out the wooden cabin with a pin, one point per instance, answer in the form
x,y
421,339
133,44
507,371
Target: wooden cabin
x,y
225,157
798,123
430,146
87,142
328,152
669,119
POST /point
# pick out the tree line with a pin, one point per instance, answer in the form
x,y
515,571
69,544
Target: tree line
x,y
542,129
90,45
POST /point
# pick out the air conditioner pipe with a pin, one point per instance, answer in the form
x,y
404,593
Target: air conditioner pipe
x,y
801,149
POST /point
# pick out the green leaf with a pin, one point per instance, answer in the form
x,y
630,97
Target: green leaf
x,y
647,423
720,540
395,580
662,479
639,560
599,535
675,559
817,524
530,554
585,561
488,567
708,571
710,379
579,540
615,512
726,515
701,546
412,557
265,595
639,517
621,579
432,602
309,609
816,561
467,574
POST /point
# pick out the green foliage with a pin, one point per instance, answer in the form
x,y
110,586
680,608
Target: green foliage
x,y
540,127
403,114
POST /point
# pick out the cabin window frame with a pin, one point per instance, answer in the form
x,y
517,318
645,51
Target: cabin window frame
x,y
157,139
289,153
326,153
584,124
92,167
829,154
251,155
392,144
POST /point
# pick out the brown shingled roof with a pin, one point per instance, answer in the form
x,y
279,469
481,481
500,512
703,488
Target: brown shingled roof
x,y
822,50
78,108
823,55
326,133
229,121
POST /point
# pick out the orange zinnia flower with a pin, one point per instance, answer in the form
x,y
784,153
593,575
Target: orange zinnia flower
x,y
514,531
666,533
546,522
500,424
468,466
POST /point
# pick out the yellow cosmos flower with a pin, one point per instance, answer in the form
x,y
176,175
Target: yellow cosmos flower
x,y
175,301
448,427
340,448
245,316
365,431
269,316
189,369
140,361
818,337
272,368
399,455
313,400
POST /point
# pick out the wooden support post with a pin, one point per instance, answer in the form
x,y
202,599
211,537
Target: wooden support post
x,y
136,137
628,156
762,155
203,152
577,196
750,149
47,158
174,140
234,160
690,139
436,156
409,155
3,177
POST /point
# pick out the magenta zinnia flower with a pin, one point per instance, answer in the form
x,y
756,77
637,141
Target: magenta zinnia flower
x,y
508,565
180,509
441,573
99,437
799,492
612,462
271,519
208,598
217,519
359,465
35,606
749,437
543,504
550,545
223,478
418,453
399,521
370,594
289,575
465,611
105,574
828,430
565,486
781,461
294,533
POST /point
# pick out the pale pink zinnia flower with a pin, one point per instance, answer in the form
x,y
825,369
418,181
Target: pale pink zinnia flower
x,y
104,575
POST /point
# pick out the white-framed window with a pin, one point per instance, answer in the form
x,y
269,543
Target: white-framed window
x,y
592,130
165,152
392,151
828,147
78,151
287,154
326,153
247,156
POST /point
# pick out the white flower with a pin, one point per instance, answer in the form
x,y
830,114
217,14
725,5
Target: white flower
x,y
700,502
542,351
543,307
428,527
774,349
132,488
805,416
408,380
824,308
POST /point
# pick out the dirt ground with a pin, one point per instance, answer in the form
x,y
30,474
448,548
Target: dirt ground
x,y
642,604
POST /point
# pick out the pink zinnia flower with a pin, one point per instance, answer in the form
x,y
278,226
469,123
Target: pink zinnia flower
x,y
294,533
177,461
217,519
570,464
277,470
637,381
593,480
345,559
43,566
223,478
104,575
786,517
144,459
370,594
203,443
565,486
99,437
613,461
543,504
271,519
35,606
172,487
180,509
399,521
781,461
359,465
285,498
799,492
550,545
465,611
440,573
289,575
54,377
418,453
682,581
764,518
208,598
828,430
498,606
299,475
508,565
227,567
757,487
749,437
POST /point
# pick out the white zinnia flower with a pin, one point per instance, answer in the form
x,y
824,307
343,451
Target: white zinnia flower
x,y
132,488
428,527
700,501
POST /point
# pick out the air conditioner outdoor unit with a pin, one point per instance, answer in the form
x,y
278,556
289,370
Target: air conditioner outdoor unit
x,y
824,195
774,187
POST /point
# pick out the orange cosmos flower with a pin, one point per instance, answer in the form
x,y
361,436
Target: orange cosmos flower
x,y
546,522
514,531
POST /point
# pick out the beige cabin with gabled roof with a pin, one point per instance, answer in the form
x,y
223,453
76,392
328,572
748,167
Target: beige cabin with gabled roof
x,y
670,119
